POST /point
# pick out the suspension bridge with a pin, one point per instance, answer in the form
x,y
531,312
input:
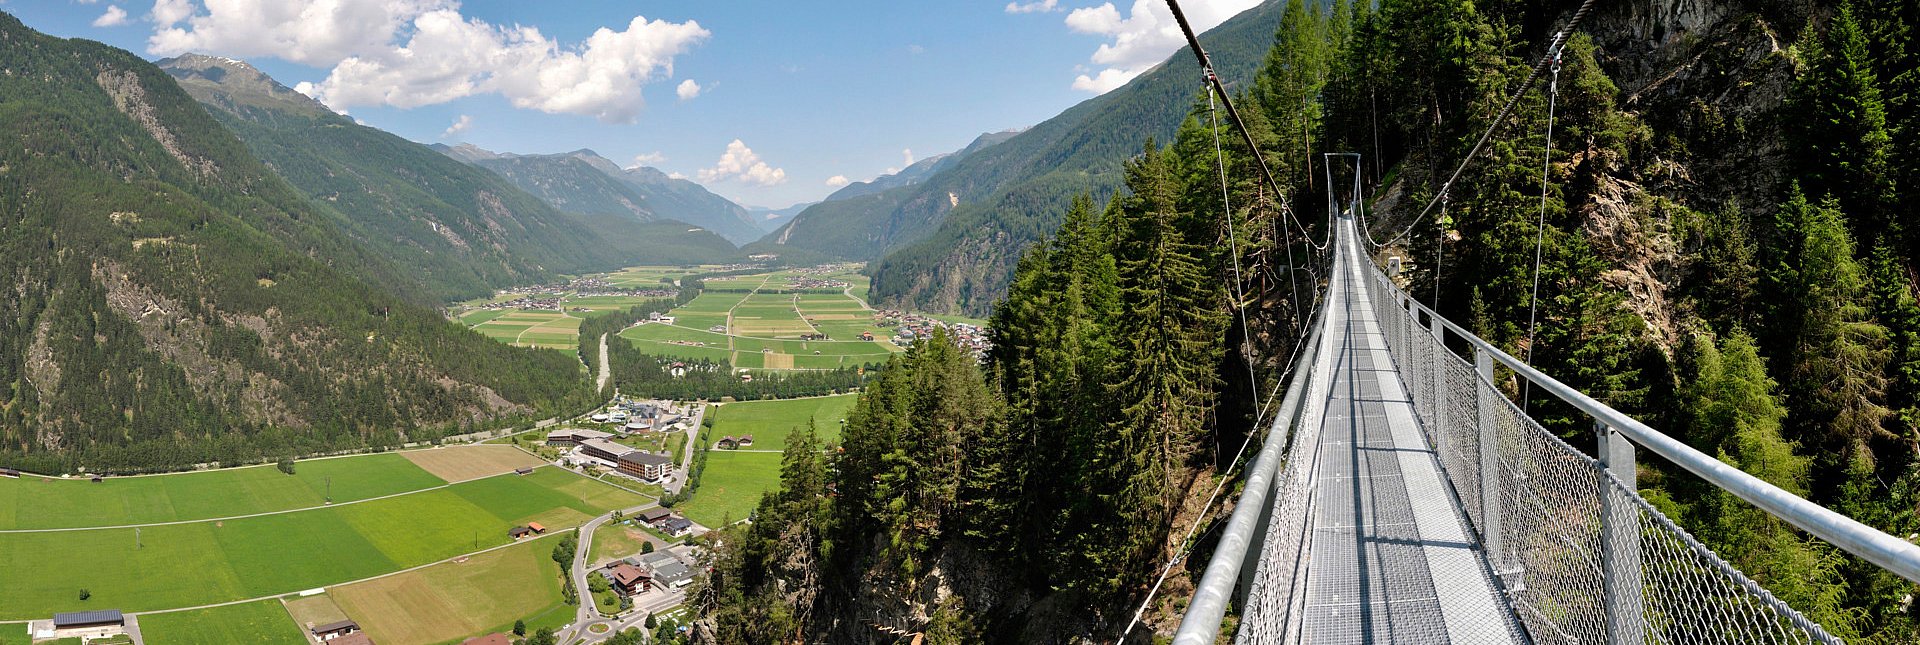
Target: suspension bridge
x,y
1400,495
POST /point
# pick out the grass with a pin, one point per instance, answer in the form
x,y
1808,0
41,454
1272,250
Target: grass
x,y
263,622
14,634
455,600
770,421
616,541
731,486
207,562
39,503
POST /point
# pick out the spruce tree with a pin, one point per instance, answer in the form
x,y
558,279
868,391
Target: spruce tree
x,y
1844,146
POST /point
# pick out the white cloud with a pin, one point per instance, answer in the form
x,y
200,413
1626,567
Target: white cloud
x,y
837,181
459,125
1142,38
741,164
654,158
114,17
773,216
1040,6
408,53
676,175
907,155
916,50
687,89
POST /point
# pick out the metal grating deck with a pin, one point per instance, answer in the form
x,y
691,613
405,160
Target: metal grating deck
x,y
1392,560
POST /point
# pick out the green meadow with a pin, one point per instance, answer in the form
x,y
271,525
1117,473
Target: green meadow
x,y
262,622
770,421
731,486
179,565
43,503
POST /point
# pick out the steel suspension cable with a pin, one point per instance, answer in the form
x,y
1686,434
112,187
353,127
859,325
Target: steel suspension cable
x,y
1540,227
1233,114
1553,54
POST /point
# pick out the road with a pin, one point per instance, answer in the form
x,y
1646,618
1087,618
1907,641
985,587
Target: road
x,y
686,455
589,614
606,371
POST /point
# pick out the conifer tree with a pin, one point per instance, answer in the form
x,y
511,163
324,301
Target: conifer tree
x,y
1844,144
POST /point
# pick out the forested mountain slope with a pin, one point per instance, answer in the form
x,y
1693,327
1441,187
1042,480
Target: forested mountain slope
x,y
457,230
172,301
584,181
950,241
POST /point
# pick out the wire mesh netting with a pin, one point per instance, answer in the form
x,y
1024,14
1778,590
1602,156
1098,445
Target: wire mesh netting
x,y
1583,558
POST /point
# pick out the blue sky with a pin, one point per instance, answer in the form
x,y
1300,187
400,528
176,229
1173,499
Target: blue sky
x,y
787,99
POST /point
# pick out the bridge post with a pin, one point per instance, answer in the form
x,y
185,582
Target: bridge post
x,y
1620,563
1491,508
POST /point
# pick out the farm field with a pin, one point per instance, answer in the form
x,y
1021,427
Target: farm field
x,y
454,600
770,421
41,503
530,328
14,634
179,565
731,486
461,463
314,610
262,622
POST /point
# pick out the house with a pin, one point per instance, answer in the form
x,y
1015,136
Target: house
x,y
89,624
627,579
523,471
666,522
9,472
333,630
744,440
639,426
647,466
356,638
495,638
537,528
668,570
655,315
866,335
675,526
519,532
727,443
604,450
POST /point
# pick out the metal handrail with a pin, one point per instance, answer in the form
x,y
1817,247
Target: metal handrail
x,y
1201,623
1871,544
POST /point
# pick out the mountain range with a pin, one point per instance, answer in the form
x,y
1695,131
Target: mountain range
x,y
947,240
454,231
583,179
173,300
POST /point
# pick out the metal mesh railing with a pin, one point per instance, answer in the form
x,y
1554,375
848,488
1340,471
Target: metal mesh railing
x,y
1273,600
1583,558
